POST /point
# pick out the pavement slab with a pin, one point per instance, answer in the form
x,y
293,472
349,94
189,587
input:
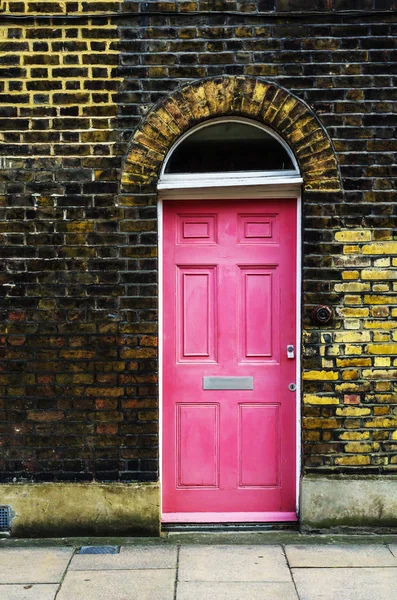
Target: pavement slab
x,y
130,557
346,584
34,565
118,585
233,563
340,556
199,590
28,592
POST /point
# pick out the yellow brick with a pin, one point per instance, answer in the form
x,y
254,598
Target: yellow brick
x,y
353,350
394,262
355,235
352,423
320,375
378,274
380,373
350,375
394,336
312,423
380,248
382,262
353,362
350,275
357,447
353,388
382,361
353,312
373,299
351,299
351,249
351,324
381,422
380,287
380,324
353,460
326,364
380,410
352,336
313,399
381,336
382,386
311,436
352,287
354,435
394,435
382,348
381,311
352,411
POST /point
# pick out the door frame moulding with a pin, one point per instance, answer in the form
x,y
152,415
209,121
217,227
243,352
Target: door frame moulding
x,y
283,190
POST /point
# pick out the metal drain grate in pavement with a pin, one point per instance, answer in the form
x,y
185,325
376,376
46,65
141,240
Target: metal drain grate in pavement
x,y
99,550
5,518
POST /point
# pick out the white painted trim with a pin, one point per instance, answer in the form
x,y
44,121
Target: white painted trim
x,y
241,120
284,189
215,180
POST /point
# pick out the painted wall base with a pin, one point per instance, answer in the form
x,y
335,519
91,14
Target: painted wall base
x,y
68,509
344,501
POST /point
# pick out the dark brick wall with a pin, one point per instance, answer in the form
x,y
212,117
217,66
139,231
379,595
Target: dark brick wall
x,y
78,378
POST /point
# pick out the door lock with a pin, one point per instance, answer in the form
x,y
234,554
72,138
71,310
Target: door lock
x,y
292,387
290,351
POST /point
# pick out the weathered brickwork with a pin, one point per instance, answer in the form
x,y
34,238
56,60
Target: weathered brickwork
x,y
86,91
351,403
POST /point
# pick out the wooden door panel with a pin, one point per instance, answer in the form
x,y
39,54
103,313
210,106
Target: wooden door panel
x,y
198,445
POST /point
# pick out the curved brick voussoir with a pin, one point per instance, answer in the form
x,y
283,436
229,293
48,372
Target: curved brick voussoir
x,y
250,97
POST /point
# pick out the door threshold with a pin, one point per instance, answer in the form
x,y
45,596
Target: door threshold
x,y
229,517
227,527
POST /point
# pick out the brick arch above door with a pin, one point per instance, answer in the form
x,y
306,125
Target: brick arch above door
x,y
250,97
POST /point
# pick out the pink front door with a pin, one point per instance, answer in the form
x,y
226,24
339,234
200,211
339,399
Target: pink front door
x,y
229,417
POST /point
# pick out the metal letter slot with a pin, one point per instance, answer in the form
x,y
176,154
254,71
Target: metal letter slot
x,y
228,383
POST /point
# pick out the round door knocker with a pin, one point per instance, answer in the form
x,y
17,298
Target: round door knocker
x,y
322,314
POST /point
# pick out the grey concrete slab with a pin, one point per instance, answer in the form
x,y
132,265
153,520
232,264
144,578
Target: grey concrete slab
x,y
353,501
199,590
233,563
340,556
130,557
33,565
28,592
346,584
118,585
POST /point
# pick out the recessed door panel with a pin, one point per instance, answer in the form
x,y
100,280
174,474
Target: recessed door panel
x,y
259,445
228,313
198,436
196,317
258,310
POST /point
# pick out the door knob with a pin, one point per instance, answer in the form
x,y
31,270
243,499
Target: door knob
x,y
290,351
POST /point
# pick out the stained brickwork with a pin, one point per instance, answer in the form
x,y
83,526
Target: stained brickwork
x,y
78,379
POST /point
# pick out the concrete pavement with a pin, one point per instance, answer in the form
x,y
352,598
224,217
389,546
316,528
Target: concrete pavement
x,y
201,567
